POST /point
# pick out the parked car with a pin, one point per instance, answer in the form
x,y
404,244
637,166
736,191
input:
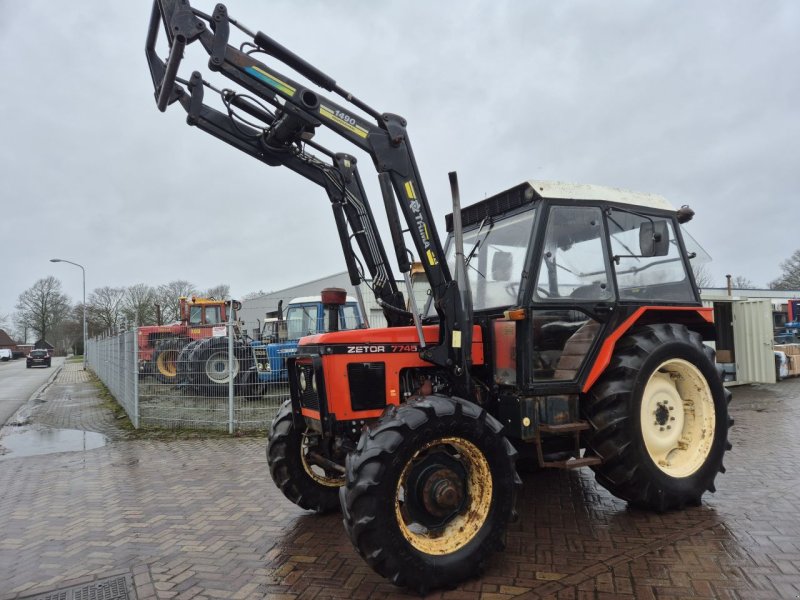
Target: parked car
x,y
38,358
6,354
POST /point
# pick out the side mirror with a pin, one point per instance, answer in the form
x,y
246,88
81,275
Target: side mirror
x,y
653,238
501,266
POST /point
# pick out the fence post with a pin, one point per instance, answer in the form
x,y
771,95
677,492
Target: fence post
x,y
231,376
135,378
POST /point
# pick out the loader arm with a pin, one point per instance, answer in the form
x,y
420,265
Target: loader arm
x,y
340,179
300,110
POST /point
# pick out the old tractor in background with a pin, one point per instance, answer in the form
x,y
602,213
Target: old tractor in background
x,y
564,327
159,345
308,315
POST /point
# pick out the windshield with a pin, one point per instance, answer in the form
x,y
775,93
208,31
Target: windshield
x,y
496,250
301,320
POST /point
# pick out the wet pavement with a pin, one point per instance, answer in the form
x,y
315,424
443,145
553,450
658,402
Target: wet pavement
x,y
201,519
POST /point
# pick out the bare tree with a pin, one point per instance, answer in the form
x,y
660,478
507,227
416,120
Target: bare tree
x,y
139,305
104,309
252,295
790,279
738,282
42,307
702,276
168,296
219,292
5,323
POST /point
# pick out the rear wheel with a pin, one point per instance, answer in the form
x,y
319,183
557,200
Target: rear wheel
x,y
660,419
429,492
298,465
212,370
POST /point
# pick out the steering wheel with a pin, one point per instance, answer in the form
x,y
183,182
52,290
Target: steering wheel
x,y
543,292
512,289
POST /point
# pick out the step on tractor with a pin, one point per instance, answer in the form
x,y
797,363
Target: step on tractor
x,y
333,310
564,329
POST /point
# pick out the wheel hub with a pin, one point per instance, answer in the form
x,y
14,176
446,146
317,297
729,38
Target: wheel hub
x,y
677,418
437,490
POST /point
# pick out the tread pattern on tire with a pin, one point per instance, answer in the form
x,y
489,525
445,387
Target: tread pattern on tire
x,y
363,493
286,468
624,472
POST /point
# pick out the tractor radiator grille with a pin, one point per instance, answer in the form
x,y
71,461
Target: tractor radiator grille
x,y
308,397
367,385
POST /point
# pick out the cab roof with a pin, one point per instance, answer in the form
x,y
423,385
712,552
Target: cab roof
x,y
530,191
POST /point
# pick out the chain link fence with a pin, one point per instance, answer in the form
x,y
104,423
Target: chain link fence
x,y
190,378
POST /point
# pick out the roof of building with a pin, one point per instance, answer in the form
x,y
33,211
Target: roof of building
x,y
5,340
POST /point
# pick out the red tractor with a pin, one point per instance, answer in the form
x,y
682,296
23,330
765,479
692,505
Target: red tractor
x,y
570,333
160,345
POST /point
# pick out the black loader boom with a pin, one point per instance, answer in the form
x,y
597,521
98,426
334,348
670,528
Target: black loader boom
x,y
282,135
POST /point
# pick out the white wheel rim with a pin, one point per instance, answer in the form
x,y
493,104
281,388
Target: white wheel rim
x,y
678,418
217,367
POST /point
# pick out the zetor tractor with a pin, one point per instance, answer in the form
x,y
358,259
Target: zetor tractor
x,y
160,345
564,329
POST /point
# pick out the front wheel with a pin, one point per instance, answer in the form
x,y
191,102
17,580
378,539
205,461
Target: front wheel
x,y
429,492
298,465
659,418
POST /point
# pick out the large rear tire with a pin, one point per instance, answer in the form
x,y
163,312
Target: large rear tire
x,y
659,417
211,370
301,480
429,492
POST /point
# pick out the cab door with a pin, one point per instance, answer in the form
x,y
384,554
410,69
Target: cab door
x,y
572,297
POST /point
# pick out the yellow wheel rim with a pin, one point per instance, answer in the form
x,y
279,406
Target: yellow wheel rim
x,y
678,418
316,472
166,363
462,527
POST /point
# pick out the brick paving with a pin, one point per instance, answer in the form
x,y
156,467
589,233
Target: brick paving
x,y
201,519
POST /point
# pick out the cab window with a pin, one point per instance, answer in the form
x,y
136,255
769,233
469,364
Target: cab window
x,y
213,315
661,277
301,320
196,315
573,264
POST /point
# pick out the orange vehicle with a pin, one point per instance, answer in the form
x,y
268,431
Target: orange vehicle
x,y
160,345
564,327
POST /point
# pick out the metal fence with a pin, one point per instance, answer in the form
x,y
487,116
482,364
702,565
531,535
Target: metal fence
x,y
192,379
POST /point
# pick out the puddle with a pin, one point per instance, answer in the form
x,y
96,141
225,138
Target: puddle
x,y
31,442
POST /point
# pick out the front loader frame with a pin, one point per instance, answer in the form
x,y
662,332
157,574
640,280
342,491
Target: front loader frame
x,y
300,111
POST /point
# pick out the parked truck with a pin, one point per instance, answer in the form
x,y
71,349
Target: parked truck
x,y
564,326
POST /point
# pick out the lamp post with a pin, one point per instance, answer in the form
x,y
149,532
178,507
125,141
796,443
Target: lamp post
x,y
84,303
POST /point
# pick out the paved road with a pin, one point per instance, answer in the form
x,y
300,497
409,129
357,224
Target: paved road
x,y
18,383
200,519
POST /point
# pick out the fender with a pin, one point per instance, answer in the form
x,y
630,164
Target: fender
x,y
701,314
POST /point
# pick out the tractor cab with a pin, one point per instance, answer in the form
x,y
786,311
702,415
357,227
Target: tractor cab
x,y
200,312
554,267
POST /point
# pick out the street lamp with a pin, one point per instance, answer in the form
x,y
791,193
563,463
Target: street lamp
x,y
84,303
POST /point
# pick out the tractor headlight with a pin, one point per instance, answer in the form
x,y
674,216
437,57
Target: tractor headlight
x,y
314,382
302,377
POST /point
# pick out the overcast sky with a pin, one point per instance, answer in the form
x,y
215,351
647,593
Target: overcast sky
x,y
696,101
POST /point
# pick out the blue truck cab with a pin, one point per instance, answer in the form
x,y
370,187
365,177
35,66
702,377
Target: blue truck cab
x,y
304,316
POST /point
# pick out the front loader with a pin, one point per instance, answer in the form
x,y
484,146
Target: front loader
x,y
564,328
